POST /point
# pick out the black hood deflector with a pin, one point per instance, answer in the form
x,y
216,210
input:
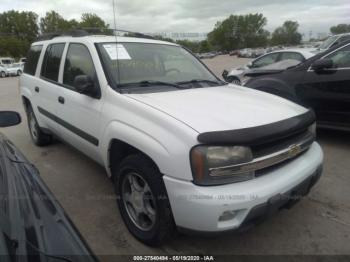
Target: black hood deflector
x,y
258,135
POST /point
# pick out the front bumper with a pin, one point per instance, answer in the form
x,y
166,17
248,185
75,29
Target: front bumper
x,y
201,209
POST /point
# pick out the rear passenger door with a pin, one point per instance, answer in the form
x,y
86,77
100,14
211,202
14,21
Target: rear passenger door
x,y
47,88
80,112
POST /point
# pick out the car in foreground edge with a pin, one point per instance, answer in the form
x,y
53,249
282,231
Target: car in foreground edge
x,y
33,225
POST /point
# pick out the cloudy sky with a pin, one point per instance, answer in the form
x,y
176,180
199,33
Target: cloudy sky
x,y
194,15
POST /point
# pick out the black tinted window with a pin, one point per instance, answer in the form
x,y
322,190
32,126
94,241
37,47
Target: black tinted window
x,y
344,38
32,59
341,58
78,62
52,60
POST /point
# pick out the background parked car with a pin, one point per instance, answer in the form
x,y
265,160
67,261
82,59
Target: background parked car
x,y
22,60
14,69
33,226
234,53
333,41
236,75
321,83
207,55
246,53
3,71
258,52
6,61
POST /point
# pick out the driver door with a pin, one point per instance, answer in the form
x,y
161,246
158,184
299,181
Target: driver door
x,y
328,91
79,113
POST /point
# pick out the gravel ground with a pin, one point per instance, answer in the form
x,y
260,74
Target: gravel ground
x,y
319,224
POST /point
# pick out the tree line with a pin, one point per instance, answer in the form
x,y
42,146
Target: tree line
x,y
19,29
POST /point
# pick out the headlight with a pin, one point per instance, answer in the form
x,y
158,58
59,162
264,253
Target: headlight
x,y
214,165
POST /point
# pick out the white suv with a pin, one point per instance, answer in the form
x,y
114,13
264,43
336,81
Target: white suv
x,y
183,149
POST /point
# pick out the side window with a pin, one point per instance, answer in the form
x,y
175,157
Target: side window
x,y
292,56
341,58
52,60
265,60
344,38
32,59
78,62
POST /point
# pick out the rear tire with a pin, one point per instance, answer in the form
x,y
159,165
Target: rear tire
x,y
19,72
143,201
38,136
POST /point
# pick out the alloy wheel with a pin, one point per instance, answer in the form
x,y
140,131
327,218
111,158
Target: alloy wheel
x,y
139,201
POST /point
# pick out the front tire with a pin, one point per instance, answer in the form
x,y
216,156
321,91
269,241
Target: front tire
x,y
3,74
143,201
38,136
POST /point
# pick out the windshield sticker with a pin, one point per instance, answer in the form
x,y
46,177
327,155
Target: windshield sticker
x,y
122,53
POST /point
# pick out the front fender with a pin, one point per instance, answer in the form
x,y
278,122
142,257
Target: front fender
x,y
273,86
146,143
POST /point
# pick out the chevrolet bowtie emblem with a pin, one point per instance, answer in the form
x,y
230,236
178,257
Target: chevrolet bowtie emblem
x,y
294,150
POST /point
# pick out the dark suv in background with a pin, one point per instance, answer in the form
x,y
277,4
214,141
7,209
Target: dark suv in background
x,y
322,83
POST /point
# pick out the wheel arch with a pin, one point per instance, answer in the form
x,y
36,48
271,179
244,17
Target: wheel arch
x,y
122,140
119,150
26,103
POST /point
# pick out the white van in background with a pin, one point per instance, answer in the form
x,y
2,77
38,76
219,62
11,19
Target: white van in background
x,y
6,61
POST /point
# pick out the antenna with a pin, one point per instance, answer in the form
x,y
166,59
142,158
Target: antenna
x,y
114,2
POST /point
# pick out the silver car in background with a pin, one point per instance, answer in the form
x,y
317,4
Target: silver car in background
x,y
236,75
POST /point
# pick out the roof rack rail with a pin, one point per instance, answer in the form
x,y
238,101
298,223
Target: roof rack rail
x,y
133,34
73,33
86,31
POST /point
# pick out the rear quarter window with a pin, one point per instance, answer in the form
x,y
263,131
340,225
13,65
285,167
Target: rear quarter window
x,y
52,60
32,59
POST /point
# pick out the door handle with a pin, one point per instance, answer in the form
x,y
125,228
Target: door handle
x,y
61,99
37,89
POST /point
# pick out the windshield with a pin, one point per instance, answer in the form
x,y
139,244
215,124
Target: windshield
x,y
140,62
327,43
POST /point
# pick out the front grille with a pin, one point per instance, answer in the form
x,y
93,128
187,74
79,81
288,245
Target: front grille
x,y
304,138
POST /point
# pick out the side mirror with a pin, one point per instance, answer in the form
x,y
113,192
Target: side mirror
x,y
224,74
250,65
85,85
322,64
9,118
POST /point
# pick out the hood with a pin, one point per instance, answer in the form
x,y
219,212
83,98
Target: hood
x,y
228,107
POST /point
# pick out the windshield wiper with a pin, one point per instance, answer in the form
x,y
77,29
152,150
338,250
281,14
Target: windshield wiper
x,y
195,81
147,83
